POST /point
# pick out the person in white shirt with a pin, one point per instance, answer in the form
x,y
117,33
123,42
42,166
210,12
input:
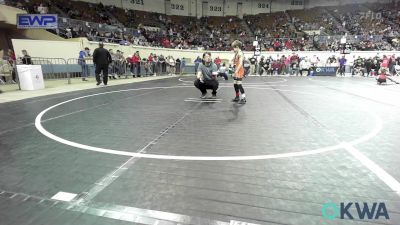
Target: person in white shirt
x,y
397,69
313,63
305,66
171,64
42,9
222,72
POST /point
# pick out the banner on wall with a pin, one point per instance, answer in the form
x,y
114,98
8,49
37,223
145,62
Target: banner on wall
x,y
312,32
37,21
325,71
151,28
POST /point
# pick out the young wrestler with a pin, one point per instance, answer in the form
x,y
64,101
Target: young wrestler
x,y
239,73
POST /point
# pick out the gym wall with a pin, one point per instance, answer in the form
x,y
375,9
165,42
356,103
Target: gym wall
x,y
70,49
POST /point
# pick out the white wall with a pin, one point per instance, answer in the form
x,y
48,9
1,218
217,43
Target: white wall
x,y
47,49
257,6
193,8
116,3
70,49
92,1
215,8
312,4
250,7
180,7
230,7
199,8
283,5
152,6
148,5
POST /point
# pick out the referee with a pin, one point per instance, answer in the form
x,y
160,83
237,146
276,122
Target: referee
x,y
207,76
101,59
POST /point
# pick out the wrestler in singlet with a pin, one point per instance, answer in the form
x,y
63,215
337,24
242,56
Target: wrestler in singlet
x,y
238,61
240,96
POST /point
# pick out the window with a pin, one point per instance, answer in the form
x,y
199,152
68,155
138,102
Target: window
x,y
262,5
216,8
137,2
177,7
297,2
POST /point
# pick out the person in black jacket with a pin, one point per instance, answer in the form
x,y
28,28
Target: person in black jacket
x,y
26,59
101,59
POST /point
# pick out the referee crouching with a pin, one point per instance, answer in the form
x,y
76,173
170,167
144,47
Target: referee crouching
x,y
207,76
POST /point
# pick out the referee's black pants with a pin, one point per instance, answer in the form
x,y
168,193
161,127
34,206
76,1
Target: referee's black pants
x,y
207,84
104,69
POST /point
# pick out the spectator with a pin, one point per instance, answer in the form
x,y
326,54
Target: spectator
x,y
280,30
342,65
135,63
151,62
42,9
83,56
305,66
156,63
120,63
222,72
253,62
113,65
163,64
178,66
197,61
26,59
260,66
183,65
171,65
217,62
146,66
12,60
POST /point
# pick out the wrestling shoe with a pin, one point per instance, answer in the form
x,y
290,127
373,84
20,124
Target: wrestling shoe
x,y
236,99
242,101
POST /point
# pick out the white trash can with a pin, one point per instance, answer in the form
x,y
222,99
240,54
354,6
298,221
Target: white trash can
x,y
30,77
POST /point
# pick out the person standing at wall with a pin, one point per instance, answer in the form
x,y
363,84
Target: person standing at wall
x,y
253,62
171,65
101,59
152,64
342,65
135,63
286,65
217,62
139,72
83,55
120,63
261,66
163,64
222,71
294,63
183,65
146,66
197,63
26,58
178,66
157,65
305,66
12,59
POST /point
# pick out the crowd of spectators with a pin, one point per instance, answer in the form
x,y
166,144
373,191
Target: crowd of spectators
x,y
372,26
